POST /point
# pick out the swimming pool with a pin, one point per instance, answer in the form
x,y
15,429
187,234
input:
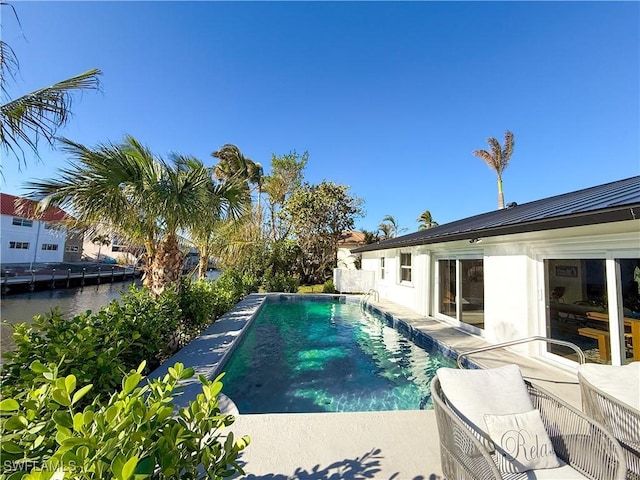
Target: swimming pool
x,y
327,355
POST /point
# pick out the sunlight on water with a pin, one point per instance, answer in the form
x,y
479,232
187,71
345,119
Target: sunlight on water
x,y
302,356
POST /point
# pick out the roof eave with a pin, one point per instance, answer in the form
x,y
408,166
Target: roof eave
x,y
609,215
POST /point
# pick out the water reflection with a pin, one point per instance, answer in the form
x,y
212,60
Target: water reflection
x,y
24,306
73,301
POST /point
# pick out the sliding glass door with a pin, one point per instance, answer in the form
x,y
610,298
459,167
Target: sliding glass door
x,y
461,290
594,303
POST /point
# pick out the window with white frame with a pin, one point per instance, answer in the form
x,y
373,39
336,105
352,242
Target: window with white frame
x,y
49,246
382,268
22,222
19,245
72,248
405,267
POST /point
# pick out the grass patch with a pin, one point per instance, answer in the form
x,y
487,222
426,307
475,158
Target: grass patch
x,y
310,288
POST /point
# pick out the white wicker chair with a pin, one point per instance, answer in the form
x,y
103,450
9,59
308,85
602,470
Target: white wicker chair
x,y
620,418
577,440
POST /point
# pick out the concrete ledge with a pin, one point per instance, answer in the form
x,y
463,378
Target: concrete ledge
x,y
209,350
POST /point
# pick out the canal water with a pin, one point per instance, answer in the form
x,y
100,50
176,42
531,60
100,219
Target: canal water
x,y
23,307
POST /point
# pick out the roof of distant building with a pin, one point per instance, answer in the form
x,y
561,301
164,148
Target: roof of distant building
x,y
9,205
351,237
610,202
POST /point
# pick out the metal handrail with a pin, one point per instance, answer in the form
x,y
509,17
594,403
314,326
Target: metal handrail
x,y
366,296
573,346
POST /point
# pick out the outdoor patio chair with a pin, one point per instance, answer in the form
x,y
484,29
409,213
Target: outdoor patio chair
x,y
493,425
611,396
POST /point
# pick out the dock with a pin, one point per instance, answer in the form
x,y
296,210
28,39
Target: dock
x,y
16,278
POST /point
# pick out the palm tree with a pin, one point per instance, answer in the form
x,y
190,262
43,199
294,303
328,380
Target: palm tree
x,y
101,240
426,220
498,159
370,237
39,114
234,166
228,202
143,198
389,227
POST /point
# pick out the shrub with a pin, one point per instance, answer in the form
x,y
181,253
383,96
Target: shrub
x,y
328,287
99,348
136,434
281,283
200,305
235,285
96,348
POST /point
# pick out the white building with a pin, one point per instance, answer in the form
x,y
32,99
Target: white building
x,y
25,239
565,267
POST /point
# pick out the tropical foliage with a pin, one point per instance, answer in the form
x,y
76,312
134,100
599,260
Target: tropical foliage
x,y
389,227
135,433
101,241
100,347
287,175
319,214
425,220
371,237
145,199
36,115
498,159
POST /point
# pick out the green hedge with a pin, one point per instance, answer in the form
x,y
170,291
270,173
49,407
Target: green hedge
x,y
98,348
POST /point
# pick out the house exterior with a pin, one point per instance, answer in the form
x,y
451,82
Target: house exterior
x,y
565,267
25,238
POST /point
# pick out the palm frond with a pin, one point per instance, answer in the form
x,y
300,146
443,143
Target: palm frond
x,y
39,114
9,65
486,157
507,150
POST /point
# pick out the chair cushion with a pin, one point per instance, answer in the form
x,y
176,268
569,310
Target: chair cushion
x,y
615,380
476,393
521,441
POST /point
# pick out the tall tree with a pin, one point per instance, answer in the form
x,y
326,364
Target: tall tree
x,y
227,205
137,195
233,166
426,220
389,227
319,214
498,159
287,173
37,115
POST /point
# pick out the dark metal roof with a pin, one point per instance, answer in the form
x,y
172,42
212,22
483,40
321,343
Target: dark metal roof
x,y
610,202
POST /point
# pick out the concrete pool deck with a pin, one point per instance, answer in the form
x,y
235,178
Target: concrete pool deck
x,y
390,445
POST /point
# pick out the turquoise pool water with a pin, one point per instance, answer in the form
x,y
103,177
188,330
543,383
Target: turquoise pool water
x,y
327,356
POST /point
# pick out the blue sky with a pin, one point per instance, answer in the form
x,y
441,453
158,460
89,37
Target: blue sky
x,y
389,98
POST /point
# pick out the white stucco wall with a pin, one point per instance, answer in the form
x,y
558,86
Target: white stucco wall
x,y
506,292
514,296
36,236
411,295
